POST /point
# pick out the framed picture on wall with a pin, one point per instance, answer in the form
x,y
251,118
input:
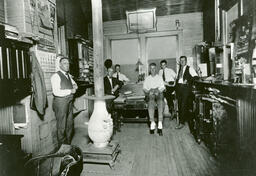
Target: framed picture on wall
x,y
46,14
141,21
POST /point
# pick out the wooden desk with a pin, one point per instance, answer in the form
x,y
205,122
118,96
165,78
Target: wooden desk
x,y
134,106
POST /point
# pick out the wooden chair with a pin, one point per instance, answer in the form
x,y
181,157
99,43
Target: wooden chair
x,y
67,161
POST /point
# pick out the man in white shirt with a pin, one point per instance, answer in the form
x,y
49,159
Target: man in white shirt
x,y
63,89
153,88
118,75
169,77
184,81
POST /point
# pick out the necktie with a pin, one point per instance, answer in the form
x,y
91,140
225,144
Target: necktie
x,y
110,81
117,76
163,75
180,75
68,76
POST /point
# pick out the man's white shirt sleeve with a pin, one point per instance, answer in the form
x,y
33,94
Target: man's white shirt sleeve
x,y
192,72
122,77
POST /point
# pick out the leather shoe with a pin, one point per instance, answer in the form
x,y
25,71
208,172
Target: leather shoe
x,y
151,131
179,126
160,132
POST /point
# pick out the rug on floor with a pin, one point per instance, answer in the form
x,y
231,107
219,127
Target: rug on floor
x,y
122,167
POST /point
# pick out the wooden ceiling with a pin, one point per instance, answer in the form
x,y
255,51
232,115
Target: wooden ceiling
x,y
115,9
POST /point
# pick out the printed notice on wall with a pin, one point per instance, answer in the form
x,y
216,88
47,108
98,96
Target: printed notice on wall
x,y
47,62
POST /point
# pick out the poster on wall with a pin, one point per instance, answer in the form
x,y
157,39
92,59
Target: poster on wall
x,y
46,14
47,62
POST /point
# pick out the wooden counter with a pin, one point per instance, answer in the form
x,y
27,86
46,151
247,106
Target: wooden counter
x,y
245,99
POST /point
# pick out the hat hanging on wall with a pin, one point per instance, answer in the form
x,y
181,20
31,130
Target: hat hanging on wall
x,y
108,63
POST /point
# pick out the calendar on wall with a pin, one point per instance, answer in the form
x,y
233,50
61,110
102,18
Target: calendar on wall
x,y
47,61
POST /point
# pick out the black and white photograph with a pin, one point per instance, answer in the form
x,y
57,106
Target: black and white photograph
x,y
127,87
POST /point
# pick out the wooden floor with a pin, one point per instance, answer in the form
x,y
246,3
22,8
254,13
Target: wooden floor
x,y
174,154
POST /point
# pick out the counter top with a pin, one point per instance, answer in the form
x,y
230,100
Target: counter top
x,y
82,86
224,83
231,89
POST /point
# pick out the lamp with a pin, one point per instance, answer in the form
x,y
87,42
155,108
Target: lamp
x,y
177,24
139,70
139,66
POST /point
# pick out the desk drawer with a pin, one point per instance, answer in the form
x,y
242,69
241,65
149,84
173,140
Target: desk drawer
x,y
136,104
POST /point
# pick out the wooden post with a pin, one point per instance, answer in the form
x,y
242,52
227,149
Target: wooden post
x,y
98,47
100,126
225,52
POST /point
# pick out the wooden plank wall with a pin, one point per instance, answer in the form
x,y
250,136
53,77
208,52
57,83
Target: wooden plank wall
x,y
6,119
191,23
39,133
247,123
2,11
15,13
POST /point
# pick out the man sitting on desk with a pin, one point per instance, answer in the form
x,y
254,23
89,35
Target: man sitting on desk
x,y
111,87
153,87
118,75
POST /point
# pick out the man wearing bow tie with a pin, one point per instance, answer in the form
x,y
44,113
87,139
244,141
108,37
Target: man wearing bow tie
x,y
63,89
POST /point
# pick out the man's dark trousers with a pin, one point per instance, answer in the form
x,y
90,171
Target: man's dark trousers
x,y
63,109
169,97
183,92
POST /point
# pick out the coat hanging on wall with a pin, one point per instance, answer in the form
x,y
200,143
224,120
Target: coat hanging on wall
x,y
38,100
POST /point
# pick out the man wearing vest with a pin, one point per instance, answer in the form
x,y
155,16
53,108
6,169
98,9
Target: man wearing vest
x,y
186,76
63,89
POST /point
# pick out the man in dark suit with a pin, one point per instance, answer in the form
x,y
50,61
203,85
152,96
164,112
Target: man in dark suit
x,y
111,87
111,84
